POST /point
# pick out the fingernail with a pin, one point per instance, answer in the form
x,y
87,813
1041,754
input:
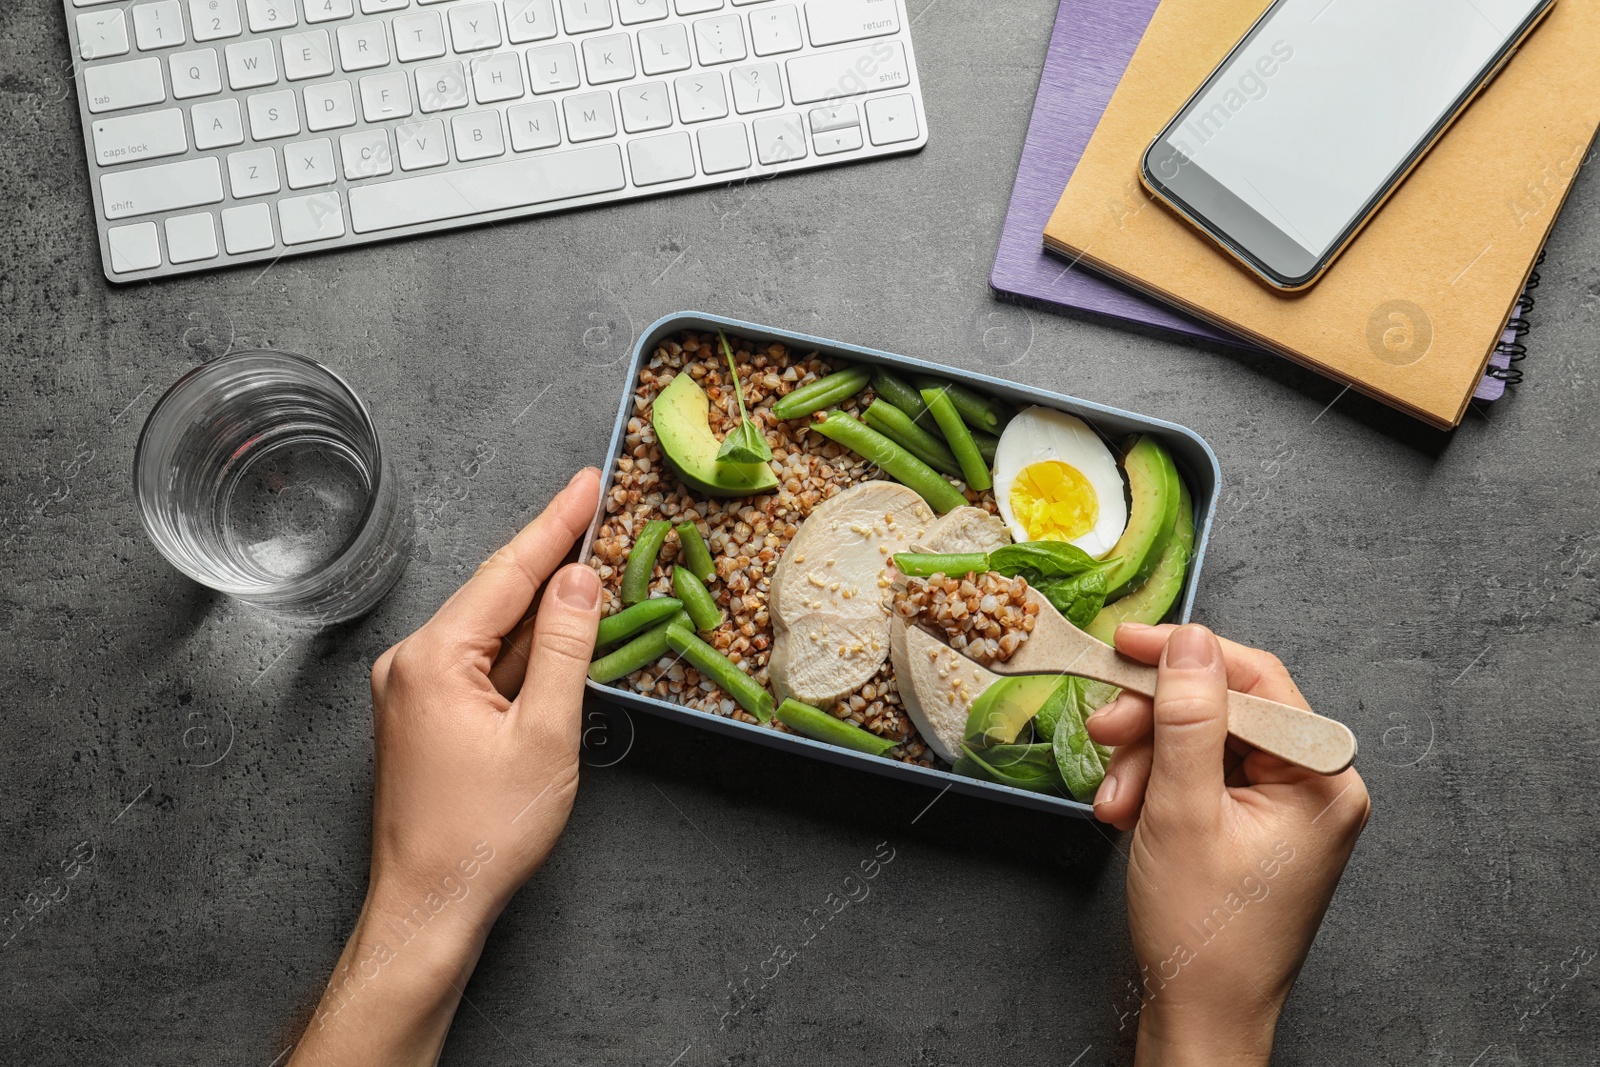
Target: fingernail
x,y
1101,712
578,587
1134,627
1191,648
1107,791
575,477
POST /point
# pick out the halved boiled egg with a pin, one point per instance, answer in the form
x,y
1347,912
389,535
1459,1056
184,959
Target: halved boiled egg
x,y
1055,480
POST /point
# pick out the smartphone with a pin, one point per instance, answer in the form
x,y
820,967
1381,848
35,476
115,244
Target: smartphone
x,y
1317,115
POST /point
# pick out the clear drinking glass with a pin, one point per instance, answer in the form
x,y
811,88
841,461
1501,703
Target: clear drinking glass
x,y
261,475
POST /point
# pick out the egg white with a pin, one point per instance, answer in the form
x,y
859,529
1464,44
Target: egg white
x,y
1040,434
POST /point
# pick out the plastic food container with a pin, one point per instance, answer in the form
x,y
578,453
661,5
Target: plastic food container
x,y
1194,457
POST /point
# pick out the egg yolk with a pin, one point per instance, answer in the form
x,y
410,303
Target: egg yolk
x,y
1054,501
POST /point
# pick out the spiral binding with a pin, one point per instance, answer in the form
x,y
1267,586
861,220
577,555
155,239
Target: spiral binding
x,y
1519,325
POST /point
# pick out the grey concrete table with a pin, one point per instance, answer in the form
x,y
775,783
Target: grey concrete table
x,y
206,775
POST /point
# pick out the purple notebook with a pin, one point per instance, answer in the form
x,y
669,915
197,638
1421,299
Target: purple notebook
x,y
1089,49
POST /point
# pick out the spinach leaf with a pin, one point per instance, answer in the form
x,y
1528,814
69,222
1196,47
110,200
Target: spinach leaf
x,y
746,444
1081,762
1044,559
1078,598
1019,766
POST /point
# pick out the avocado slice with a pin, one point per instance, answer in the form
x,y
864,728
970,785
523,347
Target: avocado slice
x,y
1151,601
1154,486
681,415
1002,712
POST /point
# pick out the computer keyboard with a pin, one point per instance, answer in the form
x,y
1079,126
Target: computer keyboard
x,y
222,132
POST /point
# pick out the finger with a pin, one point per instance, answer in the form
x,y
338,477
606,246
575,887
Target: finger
x,y
495,598
1121,796
1191,727
511,665
1123,721
558,661
1250,670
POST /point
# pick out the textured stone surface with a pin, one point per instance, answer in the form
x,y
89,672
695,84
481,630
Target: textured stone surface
x,y
1437,592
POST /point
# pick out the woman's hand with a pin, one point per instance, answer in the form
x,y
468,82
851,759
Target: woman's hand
x,y
477,738
1235,853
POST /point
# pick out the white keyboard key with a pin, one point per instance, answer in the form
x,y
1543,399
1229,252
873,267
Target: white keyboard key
x,y
589,116
665,158
634,12
892,119
418,36
102,34
273,115
213,20
664,49
386,96
697,7
421,145
515,183
306,55
363,46
366,154
756,87
271,15
552,67
134,248
253,173
328,10
375,7
113,86
309,163
774,30
191,238
158,25
478,136
474,27
318,217
251,64
329,107
779,139
217,124
608,59
645,107
133,137
440,87
834,117
497,77
167,187
582,16
839,21
247,229
194,73
719,40
836,141
724,148
531,20
848,72
701,97
534,125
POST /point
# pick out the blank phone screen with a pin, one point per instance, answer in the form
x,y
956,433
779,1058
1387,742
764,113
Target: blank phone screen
x,y
1328,99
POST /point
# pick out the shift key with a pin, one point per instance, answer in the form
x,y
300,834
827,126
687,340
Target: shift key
x,y
169,187
848,72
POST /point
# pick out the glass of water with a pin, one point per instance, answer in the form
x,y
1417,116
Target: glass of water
x,y
261,475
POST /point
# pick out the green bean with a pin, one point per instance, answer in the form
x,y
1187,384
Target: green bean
x,y
697,600
629,621
822,393
898,427
973,468
642,561
640,652
696,556
818,725
987,444
900,465
896,391
727,675
976,410
927,564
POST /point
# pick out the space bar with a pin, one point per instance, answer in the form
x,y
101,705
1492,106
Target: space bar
x,y
479,190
